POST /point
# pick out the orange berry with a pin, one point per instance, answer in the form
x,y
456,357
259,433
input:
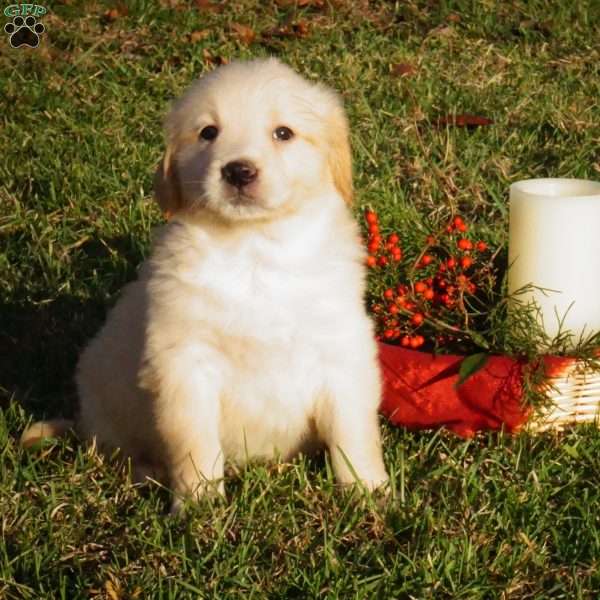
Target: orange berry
x,y
481,246
426,259
389,293
382,261
457,221
417,319
393,239
388,333
428,294
464,244
420,287
373,229
466,262
371,261
405,341
417,341
393,309
451,263
462,228
370,216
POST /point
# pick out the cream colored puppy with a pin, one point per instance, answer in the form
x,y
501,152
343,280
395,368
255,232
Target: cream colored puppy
x,y
245,335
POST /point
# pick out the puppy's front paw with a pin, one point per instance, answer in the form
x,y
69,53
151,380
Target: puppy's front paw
x,y
377,483
369,475
177,506
207,490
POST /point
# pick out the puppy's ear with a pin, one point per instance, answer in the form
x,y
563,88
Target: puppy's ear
x,y
339,155
166,185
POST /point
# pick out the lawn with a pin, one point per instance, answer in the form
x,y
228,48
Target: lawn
x,y
492,517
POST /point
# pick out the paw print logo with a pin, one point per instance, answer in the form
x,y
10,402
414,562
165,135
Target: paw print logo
x,y
24,32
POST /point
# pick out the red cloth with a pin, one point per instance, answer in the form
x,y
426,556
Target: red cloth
x,y
420,392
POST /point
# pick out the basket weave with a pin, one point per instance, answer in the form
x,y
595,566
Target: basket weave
x,y
574,397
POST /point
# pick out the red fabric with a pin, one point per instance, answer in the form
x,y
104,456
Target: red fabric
x,y
420,392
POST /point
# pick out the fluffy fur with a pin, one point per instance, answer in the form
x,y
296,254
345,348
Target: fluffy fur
x,y
245,335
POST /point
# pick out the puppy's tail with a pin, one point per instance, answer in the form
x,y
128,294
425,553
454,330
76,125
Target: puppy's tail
x,y
45,429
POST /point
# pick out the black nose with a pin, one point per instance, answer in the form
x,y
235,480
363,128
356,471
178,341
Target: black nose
x,y
239,172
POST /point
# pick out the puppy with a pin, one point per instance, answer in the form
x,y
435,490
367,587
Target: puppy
x,y
245,335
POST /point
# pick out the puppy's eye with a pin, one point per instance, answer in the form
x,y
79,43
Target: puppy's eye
x,y
283,134
209,133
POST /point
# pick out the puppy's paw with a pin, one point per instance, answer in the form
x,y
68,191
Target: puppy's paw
x,y
376,484
369,496
177,506
207,491
42,430
368,479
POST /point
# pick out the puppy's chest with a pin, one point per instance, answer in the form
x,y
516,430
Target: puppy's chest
x,y
261,297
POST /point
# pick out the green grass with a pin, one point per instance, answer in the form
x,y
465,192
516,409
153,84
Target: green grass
x,y
494,517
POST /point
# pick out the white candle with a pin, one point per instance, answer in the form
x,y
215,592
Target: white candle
x,y
554,243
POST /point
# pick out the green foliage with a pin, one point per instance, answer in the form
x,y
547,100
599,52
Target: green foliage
x,y
470,365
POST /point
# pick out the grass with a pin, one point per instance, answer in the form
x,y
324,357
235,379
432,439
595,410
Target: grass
x,y
494,517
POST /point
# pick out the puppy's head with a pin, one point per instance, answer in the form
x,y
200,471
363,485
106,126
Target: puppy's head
x,y
252,141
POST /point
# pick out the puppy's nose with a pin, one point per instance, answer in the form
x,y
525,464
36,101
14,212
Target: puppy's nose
x,y
239,172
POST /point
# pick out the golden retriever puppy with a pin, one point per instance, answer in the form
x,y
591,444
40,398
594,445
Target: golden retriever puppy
x,y
245,335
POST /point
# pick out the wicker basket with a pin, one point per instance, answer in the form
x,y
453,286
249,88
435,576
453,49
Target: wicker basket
x,y
574,394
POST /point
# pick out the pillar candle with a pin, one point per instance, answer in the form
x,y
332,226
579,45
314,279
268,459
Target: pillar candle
x,y
554,243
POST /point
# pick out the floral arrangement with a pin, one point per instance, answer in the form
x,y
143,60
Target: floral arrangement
x,y
447,301
437,297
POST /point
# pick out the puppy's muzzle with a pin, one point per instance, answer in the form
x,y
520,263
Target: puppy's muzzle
x,y
239,173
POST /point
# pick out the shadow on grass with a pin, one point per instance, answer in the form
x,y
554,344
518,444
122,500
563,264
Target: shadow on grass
x,y
40,341
40,345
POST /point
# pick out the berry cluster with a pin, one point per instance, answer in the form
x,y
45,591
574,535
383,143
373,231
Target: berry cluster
x,y
428,297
